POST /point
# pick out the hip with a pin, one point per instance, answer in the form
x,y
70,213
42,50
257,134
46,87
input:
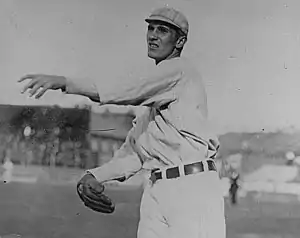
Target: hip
x,y
187,195
199,184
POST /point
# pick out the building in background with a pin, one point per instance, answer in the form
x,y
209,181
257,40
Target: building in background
x,y
45,135
108,132
66,137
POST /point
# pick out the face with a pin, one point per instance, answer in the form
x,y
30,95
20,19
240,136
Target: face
x,y
162,41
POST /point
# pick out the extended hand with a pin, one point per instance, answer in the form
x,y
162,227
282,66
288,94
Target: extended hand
x,y
41,83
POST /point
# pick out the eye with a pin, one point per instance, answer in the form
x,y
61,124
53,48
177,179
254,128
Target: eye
x,y
150,28
163,29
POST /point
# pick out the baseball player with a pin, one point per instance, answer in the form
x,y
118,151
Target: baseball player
x,y
172,139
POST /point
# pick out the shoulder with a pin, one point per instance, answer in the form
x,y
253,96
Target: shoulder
x,y
188,68
175,63
170,68
191,68
178,65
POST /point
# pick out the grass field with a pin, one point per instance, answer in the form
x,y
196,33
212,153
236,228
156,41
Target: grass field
x,y
46,211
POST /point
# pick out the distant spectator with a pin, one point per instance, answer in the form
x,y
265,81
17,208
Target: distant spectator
x,y
290,157
234,186
8,167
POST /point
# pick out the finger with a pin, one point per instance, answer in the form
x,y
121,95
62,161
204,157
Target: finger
x,y
28,76
97,188
35,88
98,202
97,195
102,200
29,85
106,200
102,209
43,91
91,193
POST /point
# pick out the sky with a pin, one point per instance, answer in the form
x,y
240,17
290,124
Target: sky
x,y
248,52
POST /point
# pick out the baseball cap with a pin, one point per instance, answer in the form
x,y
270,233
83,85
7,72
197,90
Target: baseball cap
x,y
171,16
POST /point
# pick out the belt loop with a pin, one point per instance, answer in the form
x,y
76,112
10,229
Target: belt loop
x,y
181,169
205,165
163,173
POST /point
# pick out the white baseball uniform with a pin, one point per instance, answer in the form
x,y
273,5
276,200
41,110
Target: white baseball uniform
x,y
173,132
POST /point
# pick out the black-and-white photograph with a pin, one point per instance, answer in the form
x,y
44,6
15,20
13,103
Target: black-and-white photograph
x,y
149,119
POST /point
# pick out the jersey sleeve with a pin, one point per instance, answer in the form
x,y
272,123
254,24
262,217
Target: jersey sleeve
x,y
122,165
164,79
126,161
82,86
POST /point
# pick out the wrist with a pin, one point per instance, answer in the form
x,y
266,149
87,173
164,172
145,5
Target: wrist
x,y
64,84
89,174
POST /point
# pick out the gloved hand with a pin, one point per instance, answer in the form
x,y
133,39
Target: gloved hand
x,y
91,193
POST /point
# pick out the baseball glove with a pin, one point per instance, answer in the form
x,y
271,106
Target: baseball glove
x,y
91,193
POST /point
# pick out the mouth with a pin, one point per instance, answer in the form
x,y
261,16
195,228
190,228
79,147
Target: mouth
x,y
153,45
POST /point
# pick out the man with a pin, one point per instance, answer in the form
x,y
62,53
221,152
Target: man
x,y
173,139
234,186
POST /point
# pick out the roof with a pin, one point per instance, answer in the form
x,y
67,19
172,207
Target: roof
x,y
114,125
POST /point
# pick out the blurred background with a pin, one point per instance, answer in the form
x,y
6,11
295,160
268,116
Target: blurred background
x,y
45,149
56,137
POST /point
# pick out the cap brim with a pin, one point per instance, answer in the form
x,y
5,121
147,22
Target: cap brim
x,y
162,19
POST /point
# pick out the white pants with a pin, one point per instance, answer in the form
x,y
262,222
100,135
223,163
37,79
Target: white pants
x,y
7,176
187,207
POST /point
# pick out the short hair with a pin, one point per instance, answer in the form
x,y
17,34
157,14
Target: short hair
x,y
179,33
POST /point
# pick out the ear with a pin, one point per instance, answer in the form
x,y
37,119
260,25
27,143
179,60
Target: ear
x,y
181,41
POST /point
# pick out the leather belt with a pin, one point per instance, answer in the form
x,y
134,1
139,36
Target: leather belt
x,y
174,172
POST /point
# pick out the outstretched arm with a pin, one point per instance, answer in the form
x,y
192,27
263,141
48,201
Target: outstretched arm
x,y
164,79
134,93
141,91
83,87
39,84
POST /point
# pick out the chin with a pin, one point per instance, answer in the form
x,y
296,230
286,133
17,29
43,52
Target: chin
x,y
153,56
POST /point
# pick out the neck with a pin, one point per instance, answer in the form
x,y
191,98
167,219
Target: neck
x,y
174,54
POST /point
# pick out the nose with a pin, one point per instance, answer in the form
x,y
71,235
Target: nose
x,y
153,35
